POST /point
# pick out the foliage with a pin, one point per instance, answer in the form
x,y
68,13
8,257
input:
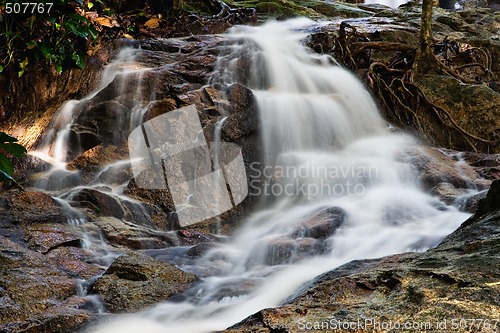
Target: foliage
x,y
58,37
8,147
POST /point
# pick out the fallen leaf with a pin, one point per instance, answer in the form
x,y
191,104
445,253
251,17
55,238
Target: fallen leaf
x,y
106,22
152,23
128,36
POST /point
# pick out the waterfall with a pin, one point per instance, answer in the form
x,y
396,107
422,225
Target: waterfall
x,y
330,160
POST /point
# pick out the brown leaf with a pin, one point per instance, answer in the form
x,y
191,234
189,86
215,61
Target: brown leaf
x,y
107,21
152,23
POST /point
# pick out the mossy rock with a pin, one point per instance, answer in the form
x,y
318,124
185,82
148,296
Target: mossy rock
x,y
474,107
314,9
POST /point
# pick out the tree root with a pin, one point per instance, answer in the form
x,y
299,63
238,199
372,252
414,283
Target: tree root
x,y
393,83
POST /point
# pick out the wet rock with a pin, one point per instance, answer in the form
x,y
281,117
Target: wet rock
x,y
56,319
102,164
46,237
322,225
474,108
486,165
35,294
73,261
243,120
35,207
102,123
435,166
132,236
194,237
134,282
200,249
285,250
28,165
447,193
314,9
491,203
103,202
469,203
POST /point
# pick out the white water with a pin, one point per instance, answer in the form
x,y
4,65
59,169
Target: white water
x,y
390,3
64,184
320,130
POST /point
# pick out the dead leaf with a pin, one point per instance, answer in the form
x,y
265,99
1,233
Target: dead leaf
x,y
128,36
152,23
107,22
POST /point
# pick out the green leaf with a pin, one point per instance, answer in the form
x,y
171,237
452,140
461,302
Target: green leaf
x,y
59,68
6,165
4,137
90,5
78,31
22,66
31,44
80,18
1,68
46,50
5,176
13,148
78,58
93,32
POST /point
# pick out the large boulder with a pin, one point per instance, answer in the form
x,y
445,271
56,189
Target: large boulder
x,y
36,293
134,282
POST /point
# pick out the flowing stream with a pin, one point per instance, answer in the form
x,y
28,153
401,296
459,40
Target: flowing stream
x,y
329,160
326,151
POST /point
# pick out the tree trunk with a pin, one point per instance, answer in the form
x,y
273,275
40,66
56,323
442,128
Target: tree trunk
x,y
425,60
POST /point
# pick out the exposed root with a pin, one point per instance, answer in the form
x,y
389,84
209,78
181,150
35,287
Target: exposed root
x,y
405,103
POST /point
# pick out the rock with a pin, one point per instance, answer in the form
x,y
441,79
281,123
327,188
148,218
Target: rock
x,y
131,236
55,319
491,203
486,165
200,249
195,237
435,166
291,8
27,165
285,250
322,225
35,294
46,237
243,120
447,193
35,207
103,202
134,282
473,106
107,164
73,261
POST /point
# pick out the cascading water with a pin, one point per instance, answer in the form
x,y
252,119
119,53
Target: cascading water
x,y
328,157
63,184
